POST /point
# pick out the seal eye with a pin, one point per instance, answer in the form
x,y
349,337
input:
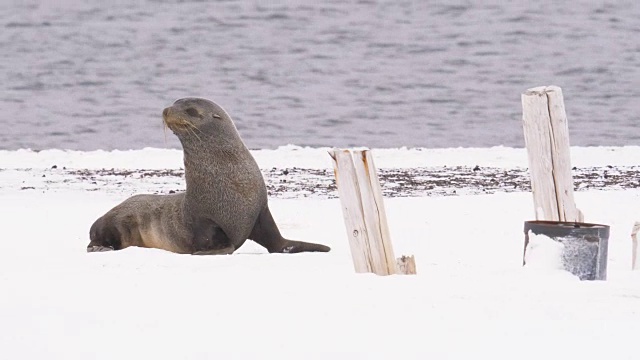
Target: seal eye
x,y
192,112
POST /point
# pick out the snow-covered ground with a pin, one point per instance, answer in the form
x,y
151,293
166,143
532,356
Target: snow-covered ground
x,y
471,298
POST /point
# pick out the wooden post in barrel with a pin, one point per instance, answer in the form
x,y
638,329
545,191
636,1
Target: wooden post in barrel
x,y
364,215
635,257
546,135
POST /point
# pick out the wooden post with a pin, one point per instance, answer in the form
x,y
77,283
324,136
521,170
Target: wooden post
x,y
546,135
364,214
634,246
406,265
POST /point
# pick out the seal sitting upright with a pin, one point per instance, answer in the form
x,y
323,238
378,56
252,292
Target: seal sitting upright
x,y
225,202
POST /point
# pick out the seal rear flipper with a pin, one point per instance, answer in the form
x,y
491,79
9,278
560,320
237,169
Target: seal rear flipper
x,y
265,232
292,247
104,236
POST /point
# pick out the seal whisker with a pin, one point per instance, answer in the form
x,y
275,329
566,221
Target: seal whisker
x,y
192,128
164,130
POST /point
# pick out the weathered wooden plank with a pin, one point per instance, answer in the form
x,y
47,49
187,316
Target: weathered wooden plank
x,y
635,265
350,199
406,265
365,216
382,256
546,136
561,156
537,132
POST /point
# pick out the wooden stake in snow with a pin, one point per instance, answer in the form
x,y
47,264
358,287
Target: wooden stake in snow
x,y
634,246
406,265
364,214
546,135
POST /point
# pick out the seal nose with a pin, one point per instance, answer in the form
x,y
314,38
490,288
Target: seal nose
x,y
165,113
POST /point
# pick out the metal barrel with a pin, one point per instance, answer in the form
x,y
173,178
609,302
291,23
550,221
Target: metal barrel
x,y
585,245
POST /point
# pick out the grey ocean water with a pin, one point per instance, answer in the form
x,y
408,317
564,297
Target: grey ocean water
x,y
96,74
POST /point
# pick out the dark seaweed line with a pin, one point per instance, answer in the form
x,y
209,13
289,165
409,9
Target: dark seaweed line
x,y
433,181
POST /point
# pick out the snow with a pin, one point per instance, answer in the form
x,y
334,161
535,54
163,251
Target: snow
x,y
471,298
313,158
543,253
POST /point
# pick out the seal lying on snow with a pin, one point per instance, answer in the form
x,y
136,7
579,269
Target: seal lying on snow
x,y
225,202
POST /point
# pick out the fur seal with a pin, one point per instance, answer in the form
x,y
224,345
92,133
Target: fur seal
x,y
225,202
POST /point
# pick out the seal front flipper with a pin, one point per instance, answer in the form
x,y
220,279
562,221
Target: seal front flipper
x,y
265,232
210,239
